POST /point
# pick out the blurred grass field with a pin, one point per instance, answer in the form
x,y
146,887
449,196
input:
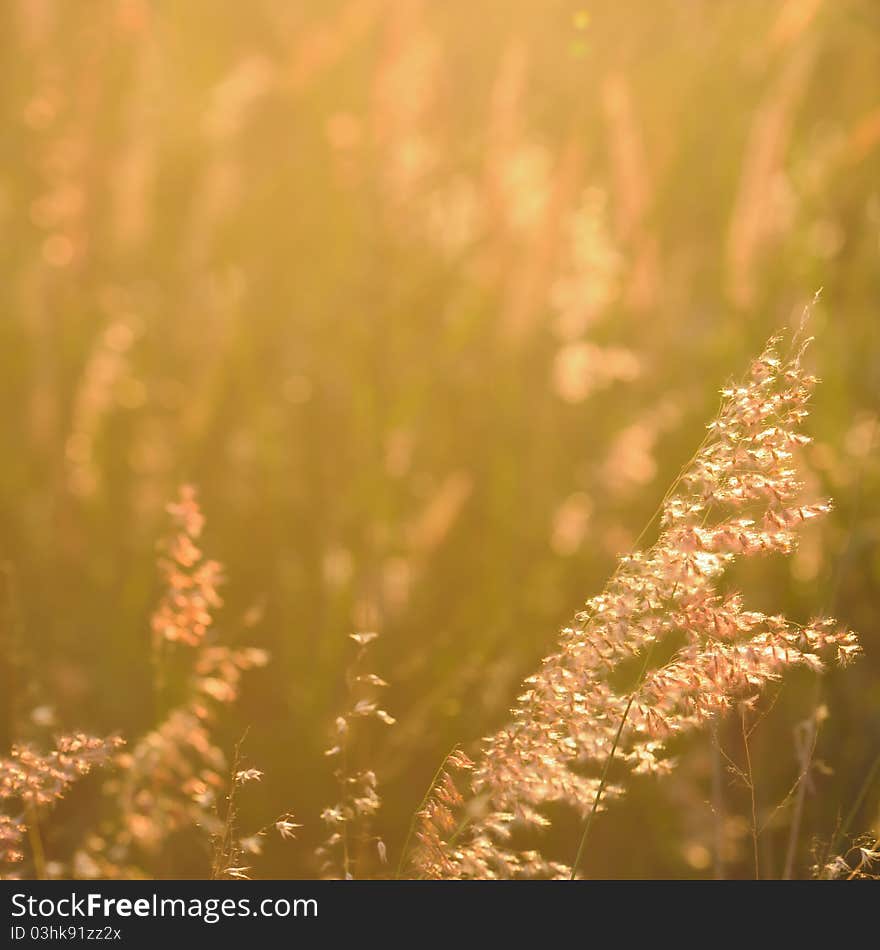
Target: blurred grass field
x,y
431,300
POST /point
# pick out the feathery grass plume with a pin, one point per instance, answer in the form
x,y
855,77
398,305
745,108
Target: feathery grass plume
x,y
12,834
231,848
35,781
172,779
184,612
860,862
738,497
438,821
348,821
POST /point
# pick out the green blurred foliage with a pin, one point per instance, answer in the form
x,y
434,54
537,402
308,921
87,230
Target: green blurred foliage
x,y
431,301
